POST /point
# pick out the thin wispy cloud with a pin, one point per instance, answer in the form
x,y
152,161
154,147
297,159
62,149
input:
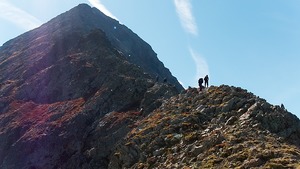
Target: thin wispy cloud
x,y
185,14
102,8
17,16
184,11
201,64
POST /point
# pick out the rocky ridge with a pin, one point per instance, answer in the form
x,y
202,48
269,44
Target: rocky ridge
x,y
68,94
221,127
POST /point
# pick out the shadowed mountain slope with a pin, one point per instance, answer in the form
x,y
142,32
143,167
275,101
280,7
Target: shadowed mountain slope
x,y
60,84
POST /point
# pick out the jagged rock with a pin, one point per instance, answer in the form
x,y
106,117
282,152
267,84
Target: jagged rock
x,y
237,130
252,163
230,104
196,150
231,120
150,101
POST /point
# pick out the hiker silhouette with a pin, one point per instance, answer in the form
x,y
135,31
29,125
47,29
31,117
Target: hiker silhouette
x,y
200,81
206,78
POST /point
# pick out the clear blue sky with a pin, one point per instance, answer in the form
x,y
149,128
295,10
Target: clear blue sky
x,y
253,44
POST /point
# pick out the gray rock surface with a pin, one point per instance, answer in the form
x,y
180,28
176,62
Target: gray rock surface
x,y
220,127
68,93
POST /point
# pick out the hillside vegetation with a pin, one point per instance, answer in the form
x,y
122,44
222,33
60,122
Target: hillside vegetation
x,y
221,127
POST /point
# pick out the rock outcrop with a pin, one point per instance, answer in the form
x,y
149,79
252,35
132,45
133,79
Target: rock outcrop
x,y
221,127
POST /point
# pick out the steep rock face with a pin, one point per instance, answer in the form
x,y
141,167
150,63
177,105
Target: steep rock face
x,y
68,94
83,19
221,127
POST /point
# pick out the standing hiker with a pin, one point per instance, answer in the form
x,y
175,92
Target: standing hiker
x,y
206,81
200,81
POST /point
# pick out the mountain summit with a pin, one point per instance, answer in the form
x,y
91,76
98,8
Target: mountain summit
x,y
83,19
59,82
84,92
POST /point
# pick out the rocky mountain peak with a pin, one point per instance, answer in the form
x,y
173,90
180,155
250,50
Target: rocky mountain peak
x,y
64,83
81,20
130,45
